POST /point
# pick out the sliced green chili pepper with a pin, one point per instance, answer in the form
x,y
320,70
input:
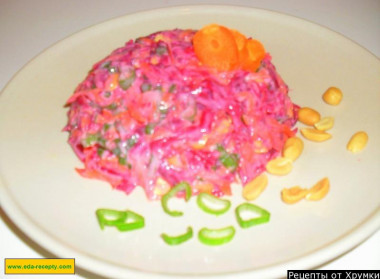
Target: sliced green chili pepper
x,y
110,217
134,221
211,204
182,186
216,236
122,220
176,240
248,207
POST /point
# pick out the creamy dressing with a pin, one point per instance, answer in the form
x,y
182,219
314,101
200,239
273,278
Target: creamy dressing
x,y
151,115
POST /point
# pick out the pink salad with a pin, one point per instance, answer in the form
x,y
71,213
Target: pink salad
x,y
151,115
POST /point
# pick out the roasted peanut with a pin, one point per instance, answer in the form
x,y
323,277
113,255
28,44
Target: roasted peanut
x,y
293,194
293,148
326,123
315,135
255,187
279,166
357,142
308,116
161,187
332,96
319,190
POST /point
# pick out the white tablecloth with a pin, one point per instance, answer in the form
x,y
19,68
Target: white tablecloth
x,y
28,27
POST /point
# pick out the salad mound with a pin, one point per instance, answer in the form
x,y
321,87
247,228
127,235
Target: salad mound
x,y
153,114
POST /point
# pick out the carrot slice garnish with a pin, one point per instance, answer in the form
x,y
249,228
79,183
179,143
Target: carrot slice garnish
x,y
239,38
215,46
227,49
255,53
241,43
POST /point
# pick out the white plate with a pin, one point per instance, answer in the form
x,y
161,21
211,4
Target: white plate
x,y
45,197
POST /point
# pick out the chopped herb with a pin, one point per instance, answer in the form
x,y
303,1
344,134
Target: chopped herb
x,y
106,65
106,127
91,139
145,87
107,94
220,148
149,129
161,50
100,151
102,141
132,222
116,151
132,141
164,110
127,82
112,106
113,70
230,161
122,161
193,115
172,88
140,40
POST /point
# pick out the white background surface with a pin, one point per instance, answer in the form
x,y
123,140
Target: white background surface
x,y
28,27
